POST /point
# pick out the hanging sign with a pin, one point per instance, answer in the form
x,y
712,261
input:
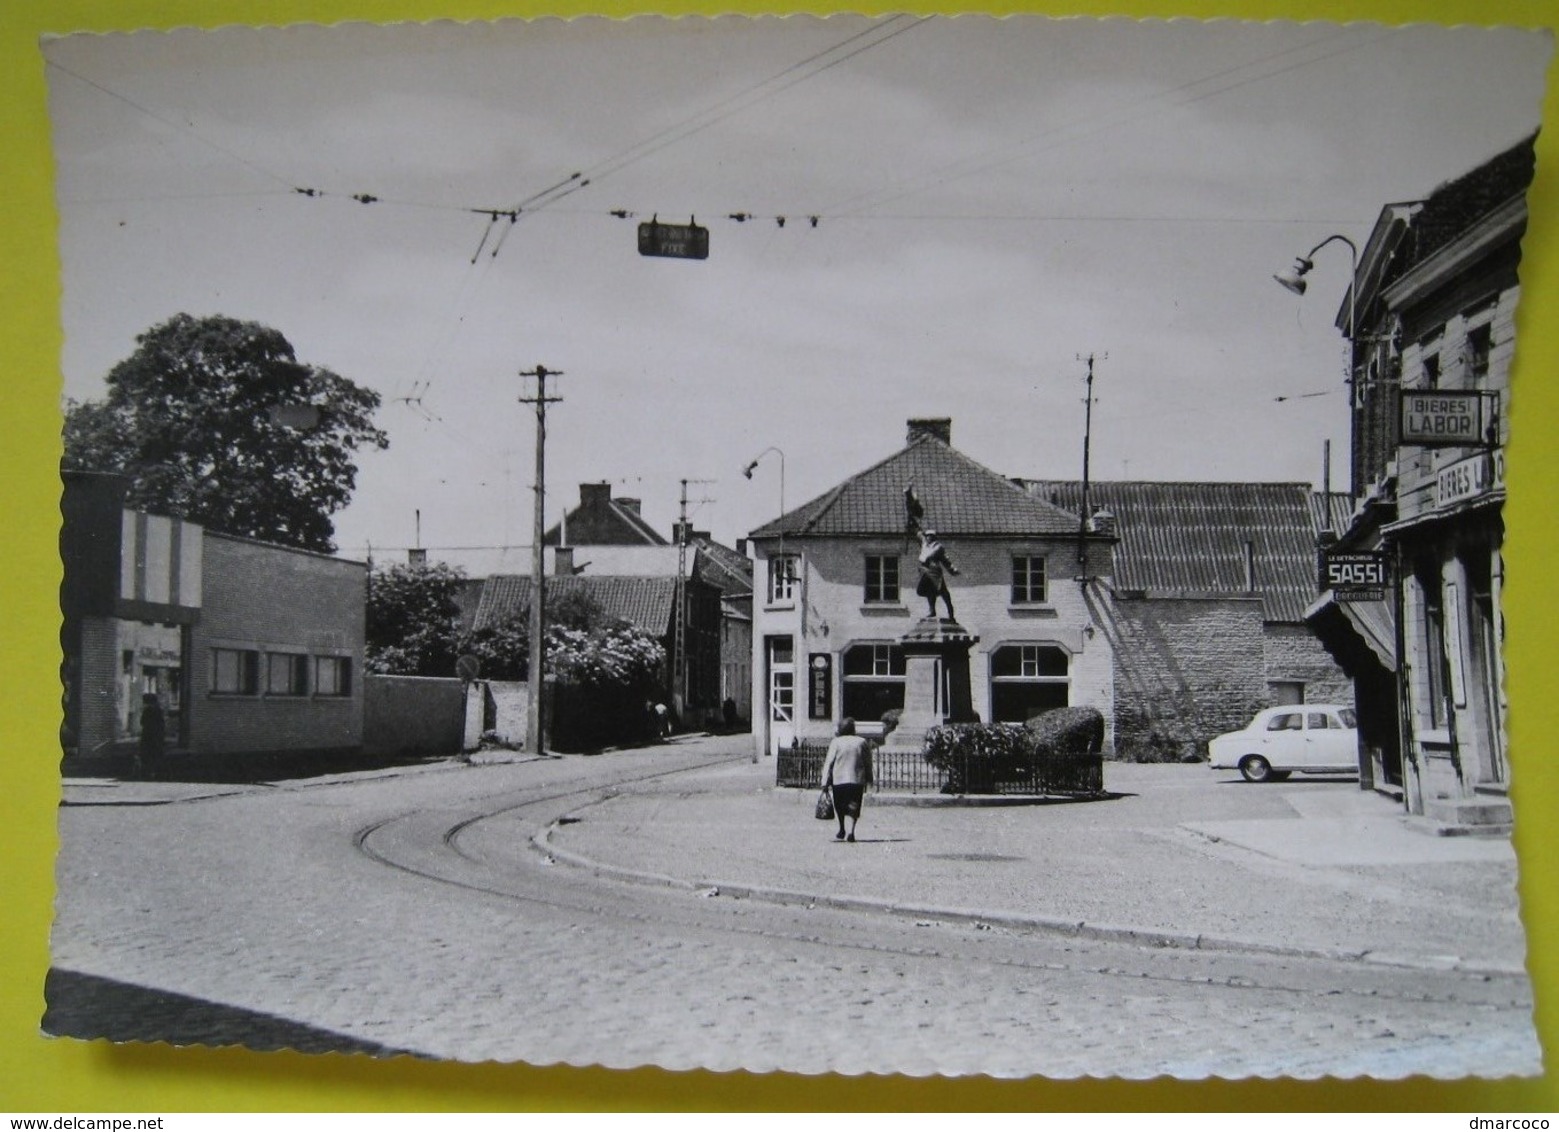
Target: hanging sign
x,y
674,241
1357,575
1434,418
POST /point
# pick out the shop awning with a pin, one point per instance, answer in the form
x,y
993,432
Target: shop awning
x,y
1353,631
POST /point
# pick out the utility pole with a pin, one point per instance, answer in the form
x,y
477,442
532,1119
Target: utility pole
x,y
679,663
538,564
1082,526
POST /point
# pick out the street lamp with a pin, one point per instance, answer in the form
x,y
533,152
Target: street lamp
x,y
1293,278
753,464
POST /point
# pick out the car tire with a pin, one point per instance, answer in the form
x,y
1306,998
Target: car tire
x,y
1254,768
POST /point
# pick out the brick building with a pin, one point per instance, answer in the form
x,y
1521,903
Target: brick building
x,y
249,647
836,579
1210,582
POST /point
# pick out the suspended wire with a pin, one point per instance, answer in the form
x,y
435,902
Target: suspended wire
x,y
1128,112
752,96
182,127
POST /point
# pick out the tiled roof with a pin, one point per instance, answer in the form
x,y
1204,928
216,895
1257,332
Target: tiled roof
x,y
645,603
1332,512
960,497
1191,537
1455,206
723,567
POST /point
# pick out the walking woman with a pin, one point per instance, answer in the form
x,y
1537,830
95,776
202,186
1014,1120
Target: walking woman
x,y
848,771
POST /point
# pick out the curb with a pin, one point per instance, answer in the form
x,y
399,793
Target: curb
x,y
1113,933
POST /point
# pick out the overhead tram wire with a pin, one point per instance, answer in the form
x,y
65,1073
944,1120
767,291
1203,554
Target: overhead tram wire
x,y
1146,106
752,96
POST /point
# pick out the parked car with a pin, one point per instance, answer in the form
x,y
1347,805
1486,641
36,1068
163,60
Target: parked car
x,y
1308,738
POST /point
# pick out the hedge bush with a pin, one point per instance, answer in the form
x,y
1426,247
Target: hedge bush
x,y
1058,752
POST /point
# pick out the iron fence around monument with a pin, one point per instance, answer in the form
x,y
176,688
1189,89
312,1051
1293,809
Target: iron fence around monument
x,y
898,769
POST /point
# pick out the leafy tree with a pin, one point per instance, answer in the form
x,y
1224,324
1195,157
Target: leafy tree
x,y
413,619
217,421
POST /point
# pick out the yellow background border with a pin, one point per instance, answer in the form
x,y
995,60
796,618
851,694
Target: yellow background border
x,y
43,1075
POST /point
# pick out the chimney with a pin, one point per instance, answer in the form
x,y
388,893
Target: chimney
x,y
939,427
594,494
563,561
741,547
624,501
1250,566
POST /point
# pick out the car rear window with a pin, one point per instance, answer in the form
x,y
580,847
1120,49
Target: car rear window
x,y
1348,718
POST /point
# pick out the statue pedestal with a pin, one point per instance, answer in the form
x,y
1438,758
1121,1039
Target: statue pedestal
x,y
936,680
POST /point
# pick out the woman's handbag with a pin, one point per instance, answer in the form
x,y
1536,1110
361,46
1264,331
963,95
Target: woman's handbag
x,y
824,810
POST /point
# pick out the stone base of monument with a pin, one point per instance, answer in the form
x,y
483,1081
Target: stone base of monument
x,y
936,681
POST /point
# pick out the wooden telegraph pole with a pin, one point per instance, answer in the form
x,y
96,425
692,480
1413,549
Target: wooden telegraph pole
x,y
534,731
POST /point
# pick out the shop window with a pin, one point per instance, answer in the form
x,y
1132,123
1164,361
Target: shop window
x,y
1028,579
332,676
882,578
235,672
286,674
873,681
1027,680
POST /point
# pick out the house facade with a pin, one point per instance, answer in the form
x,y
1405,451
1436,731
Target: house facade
x,y
835,594
1437,291
249,647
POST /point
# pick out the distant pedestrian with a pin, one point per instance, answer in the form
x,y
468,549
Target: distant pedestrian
x,y
728,714
154,736
662,721
848,772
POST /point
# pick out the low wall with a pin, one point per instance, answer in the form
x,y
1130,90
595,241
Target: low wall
x,y
410,715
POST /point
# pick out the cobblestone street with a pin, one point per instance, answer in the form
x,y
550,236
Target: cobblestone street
x,y
415,912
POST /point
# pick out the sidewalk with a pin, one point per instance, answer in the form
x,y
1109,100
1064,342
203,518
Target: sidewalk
x,y
1181,856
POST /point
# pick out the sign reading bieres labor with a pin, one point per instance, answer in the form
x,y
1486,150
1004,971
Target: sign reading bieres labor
x,y
1475,476
1356,575
1443,417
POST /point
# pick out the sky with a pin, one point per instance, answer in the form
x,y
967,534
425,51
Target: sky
x,y
971,208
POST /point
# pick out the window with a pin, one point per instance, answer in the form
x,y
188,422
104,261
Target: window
x,y
882,578
1027,680
1320,721
873,680
1433,651
235,672
784,577
1028,579
332,676
1480,343
1431,371
286,674
1287,721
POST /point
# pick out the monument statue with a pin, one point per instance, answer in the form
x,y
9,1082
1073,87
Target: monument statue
x,y
935,566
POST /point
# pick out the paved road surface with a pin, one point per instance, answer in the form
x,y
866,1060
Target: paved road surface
x,y
413,913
